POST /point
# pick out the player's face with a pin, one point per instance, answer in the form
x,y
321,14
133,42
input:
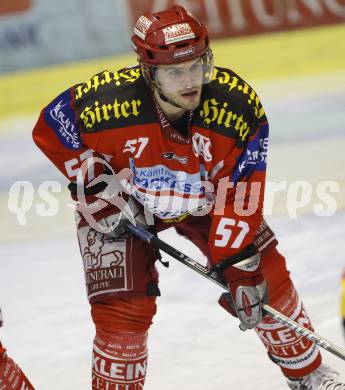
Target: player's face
x,y
182,83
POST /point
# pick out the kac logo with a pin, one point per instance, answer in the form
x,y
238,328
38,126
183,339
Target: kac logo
x,y
202,146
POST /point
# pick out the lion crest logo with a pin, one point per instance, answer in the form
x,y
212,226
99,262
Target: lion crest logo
x,y
99,253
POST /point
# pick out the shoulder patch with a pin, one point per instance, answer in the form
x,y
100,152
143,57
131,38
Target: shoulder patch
x,y
60,116
254,157
122,100
105,79
230,106
225,117
232,82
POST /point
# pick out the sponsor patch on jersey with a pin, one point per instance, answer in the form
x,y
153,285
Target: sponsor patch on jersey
x,y
232,81
173,156
106,263
220,114
254,156
178,32
142,26
105,79
61,118
161,178
168,193
97,115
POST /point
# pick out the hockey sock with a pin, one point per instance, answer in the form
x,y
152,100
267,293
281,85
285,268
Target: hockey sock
x,y
119,361
11,376
296,355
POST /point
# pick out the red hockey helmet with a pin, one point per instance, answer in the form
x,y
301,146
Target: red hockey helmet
x,y
169,37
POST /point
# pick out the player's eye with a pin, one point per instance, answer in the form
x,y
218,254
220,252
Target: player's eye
x,y
195,67
176,72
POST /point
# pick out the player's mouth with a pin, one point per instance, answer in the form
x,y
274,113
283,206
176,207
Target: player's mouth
x,y
190,94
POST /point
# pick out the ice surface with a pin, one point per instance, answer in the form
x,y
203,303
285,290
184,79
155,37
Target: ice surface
x,y
194,344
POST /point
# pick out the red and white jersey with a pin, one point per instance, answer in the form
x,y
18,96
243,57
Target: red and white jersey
x,y
115,115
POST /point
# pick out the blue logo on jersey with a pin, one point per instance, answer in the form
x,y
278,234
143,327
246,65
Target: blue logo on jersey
x,y
160,178
61,118
254,156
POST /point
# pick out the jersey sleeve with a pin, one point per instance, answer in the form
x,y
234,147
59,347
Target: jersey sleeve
x,y
239,187
58,136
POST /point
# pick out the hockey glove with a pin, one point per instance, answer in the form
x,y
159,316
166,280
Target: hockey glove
x,y
115,224
106,206
247,291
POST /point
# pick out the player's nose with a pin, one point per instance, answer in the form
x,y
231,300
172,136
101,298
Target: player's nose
x,y
189,80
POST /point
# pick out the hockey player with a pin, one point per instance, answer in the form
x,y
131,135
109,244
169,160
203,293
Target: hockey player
x,y
11,376
190,143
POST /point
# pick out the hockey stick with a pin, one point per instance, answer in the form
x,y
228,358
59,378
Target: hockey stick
x,y
199,268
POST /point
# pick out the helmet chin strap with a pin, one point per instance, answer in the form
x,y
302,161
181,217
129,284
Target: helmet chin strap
x,y
149,78
168,100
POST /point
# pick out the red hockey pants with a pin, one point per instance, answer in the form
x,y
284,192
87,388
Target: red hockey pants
x,y
120,351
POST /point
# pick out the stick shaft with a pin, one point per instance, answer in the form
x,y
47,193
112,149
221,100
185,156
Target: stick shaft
x,y
301,330
199,268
